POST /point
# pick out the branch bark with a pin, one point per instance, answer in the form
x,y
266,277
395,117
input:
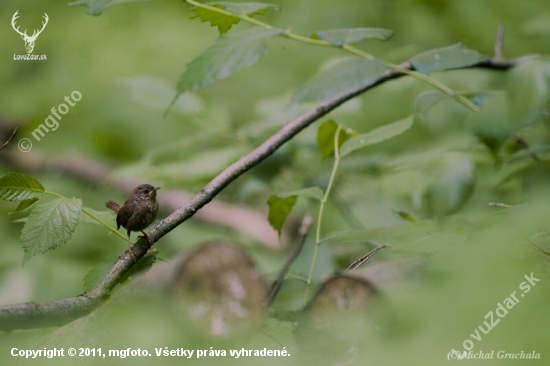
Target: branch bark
x,y
32,315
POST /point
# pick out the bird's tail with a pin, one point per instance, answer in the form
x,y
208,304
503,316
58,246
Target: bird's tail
x,y
112,205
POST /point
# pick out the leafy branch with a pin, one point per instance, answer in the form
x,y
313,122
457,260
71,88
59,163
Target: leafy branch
x,y
441,59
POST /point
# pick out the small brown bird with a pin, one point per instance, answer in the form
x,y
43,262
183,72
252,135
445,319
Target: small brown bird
x,y
138,212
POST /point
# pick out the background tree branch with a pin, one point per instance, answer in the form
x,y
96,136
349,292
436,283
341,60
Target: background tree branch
x,y
32,315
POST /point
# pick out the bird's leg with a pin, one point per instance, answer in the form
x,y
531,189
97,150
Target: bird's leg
x,y
132,254
147,237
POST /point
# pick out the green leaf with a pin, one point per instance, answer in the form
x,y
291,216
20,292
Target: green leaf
x,y
325,138
224,22
106,216
50,225
279,208
349,74
96,7
19,187
542,241
451,57
227,55
311,192
426,101
280,205
25,205
453,185
144,264
340,37
493,124
249,9
377,135
93,277
529,87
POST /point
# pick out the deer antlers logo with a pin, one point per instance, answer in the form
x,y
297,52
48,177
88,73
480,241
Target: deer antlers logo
x,y
29,40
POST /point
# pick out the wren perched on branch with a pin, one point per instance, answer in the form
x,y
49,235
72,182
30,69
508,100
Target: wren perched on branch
x,y
138,212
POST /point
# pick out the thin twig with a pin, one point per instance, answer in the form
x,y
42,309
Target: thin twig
x,y
33,315
302,235
358,262
12,136
499,42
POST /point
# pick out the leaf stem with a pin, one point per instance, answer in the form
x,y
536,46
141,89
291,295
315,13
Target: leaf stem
x,y
105,225
321,209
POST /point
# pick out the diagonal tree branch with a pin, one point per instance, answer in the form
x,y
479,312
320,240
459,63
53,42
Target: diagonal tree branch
x,y
32,315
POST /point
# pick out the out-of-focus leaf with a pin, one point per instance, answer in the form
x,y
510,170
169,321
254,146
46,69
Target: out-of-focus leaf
x,y
156,93
340,37
427,100
227,55
312,192
96,7
493,124
25,205
93,277
377,135
453,185
348,75
280,205
225,22
325,138
529,87
279,209
106,216
19,187
50,225
542,241
451,57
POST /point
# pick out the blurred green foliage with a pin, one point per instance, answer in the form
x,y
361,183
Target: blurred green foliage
x,y
427,192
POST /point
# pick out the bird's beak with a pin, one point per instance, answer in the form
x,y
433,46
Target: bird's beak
x,y
154,191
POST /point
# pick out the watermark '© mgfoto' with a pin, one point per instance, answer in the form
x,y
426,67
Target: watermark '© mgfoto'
x,y
492,319
52,121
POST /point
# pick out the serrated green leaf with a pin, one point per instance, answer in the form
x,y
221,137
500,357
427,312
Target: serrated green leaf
x,y
311,192
222,21
453,185
350,74
106,216
50,225
19,187
339,37
93,277
25,205
227,55
377,135
451,57
325,138
96,7
279,208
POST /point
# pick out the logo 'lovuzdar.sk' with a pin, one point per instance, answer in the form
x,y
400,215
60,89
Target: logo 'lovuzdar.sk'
x,y
29,40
